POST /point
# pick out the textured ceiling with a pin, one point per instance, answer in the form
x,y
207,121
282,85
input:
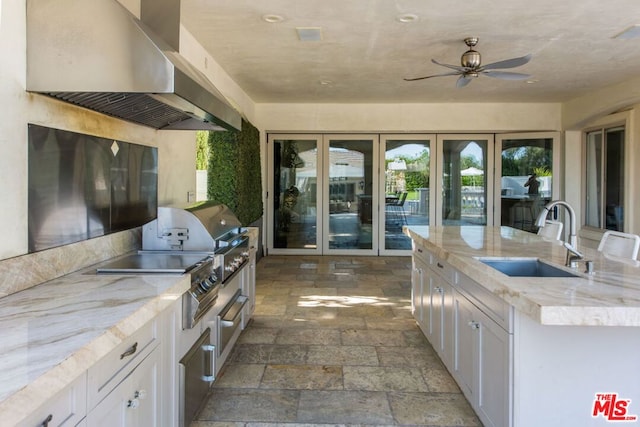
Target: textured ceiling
x,y
365,52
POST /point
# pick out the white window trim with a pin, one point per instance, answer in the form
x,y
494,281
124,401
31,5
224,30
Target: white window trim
x,y
593,234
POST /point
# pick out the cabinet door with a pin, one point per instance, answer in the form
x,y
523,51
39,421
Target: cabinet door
x,y
442,309
418,281
434,294
494,372
134,402
465,346
144,389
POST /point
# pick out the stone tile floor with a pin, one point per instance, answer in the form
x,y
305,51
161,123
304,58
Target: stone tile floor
x,y
333,342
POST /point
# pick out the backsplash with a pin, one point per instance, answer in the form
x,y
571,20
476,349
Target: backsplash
x,y
26,271
83,186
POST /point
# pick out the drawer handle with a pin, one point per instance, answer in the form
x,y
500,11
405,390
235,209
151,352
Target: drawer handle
x,y
129,351
439,265
208,363
438,289
420,250
47,420
474,325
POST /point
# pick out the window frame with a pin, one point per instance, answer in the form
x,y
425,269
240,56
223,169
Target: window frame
x,y
603,125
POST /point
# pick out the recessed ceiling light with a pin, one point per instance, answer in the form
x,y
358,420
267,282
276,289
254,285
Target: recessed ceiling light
x,y
325,82
406,18
272,19
531,81
632,32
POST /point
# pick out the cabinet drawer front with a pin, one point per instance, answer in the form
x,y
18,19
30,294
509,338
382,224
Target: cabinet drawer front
x,y
114,367
65,409
443,268
492,305
421,253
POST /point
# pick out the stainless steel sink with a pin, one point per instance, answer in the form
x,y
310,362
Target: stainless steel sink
x,y
525,267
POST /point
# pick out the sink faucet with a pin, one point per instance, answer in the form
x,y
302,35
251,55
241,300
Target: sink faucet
x,y
572,245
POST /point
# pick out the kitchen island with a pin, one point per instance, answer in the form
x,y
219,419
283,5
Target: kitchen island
x,y
529,351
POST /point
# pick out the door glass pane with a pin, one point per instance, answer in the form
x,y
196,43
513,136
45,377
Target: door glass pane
x,y
526,181
594,179
350,194
406,182
464,188
295,187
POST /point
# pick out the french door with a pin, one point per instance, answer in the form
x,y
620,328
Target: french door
x,y
353,193
530,176
347,193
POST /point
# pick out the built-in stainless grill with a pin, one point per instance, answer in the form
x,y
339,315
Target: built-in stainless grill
x,y
205,227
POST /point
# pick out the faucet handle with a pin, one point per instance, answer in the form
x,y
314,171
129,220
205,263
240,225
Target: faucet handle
x,y
573,250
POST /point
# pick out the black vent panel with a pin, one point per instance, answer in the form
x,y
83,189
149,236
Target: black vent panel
x,y
138,108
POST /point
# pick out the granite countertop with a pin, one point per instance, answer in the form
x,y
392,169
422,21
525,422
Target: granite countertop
x,y
610,297
53,332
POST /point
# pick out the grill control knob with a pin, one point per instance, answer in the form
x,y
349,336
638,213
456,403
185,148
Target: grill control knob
x,y
204,285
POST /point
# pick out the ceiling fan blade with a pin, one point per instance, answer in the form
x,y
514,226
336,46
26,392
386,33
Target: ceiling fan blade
x,y
435,75
453,67
463,81
506,75
507,63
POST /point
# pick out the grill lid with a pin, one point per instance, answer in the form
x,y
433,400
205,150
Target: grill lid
x,y
204,226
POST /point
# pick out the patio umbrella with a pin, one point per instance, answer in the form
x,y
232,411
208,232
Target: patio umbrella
x,y
471,171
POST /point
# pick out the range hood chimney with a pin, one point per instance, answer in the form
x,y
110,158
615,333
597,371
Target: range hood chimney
x,y
97,55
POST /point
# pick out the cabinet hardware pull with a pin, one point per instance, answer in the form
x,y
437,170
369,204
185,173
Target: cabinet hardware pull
x,y
131,350
439,265
47,420
420,250
209,360
474,324
133,403
438,289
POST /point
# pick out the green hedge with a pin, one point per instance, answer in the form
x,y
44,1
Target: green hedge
x,y
234,174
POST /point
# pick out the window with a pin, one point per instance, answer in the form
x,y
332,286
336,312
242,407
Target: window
x,y
605,178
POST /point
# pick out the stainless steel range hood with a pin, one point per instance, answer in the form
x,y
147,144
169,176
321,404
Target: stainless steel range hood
x,y
97,55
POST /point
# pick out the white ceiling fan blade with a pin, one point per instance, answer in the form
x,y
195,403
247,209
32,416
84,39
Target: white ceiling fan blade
x,y
435,75
506,75
453,67
463,81
508,63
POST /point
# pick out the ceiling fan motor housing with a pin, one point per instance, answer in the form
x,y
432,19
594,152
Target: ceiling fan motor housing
x,y
470,59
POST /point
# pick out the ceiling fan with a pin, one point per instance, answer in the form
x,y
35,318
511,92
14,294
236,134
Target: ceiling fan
x,y
471,67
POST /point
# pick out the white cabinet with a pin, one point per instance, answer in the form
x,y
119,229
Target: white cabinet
x,y
470,329
432,301
439,306
482,362
419,281
67,408
249,287
133,402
